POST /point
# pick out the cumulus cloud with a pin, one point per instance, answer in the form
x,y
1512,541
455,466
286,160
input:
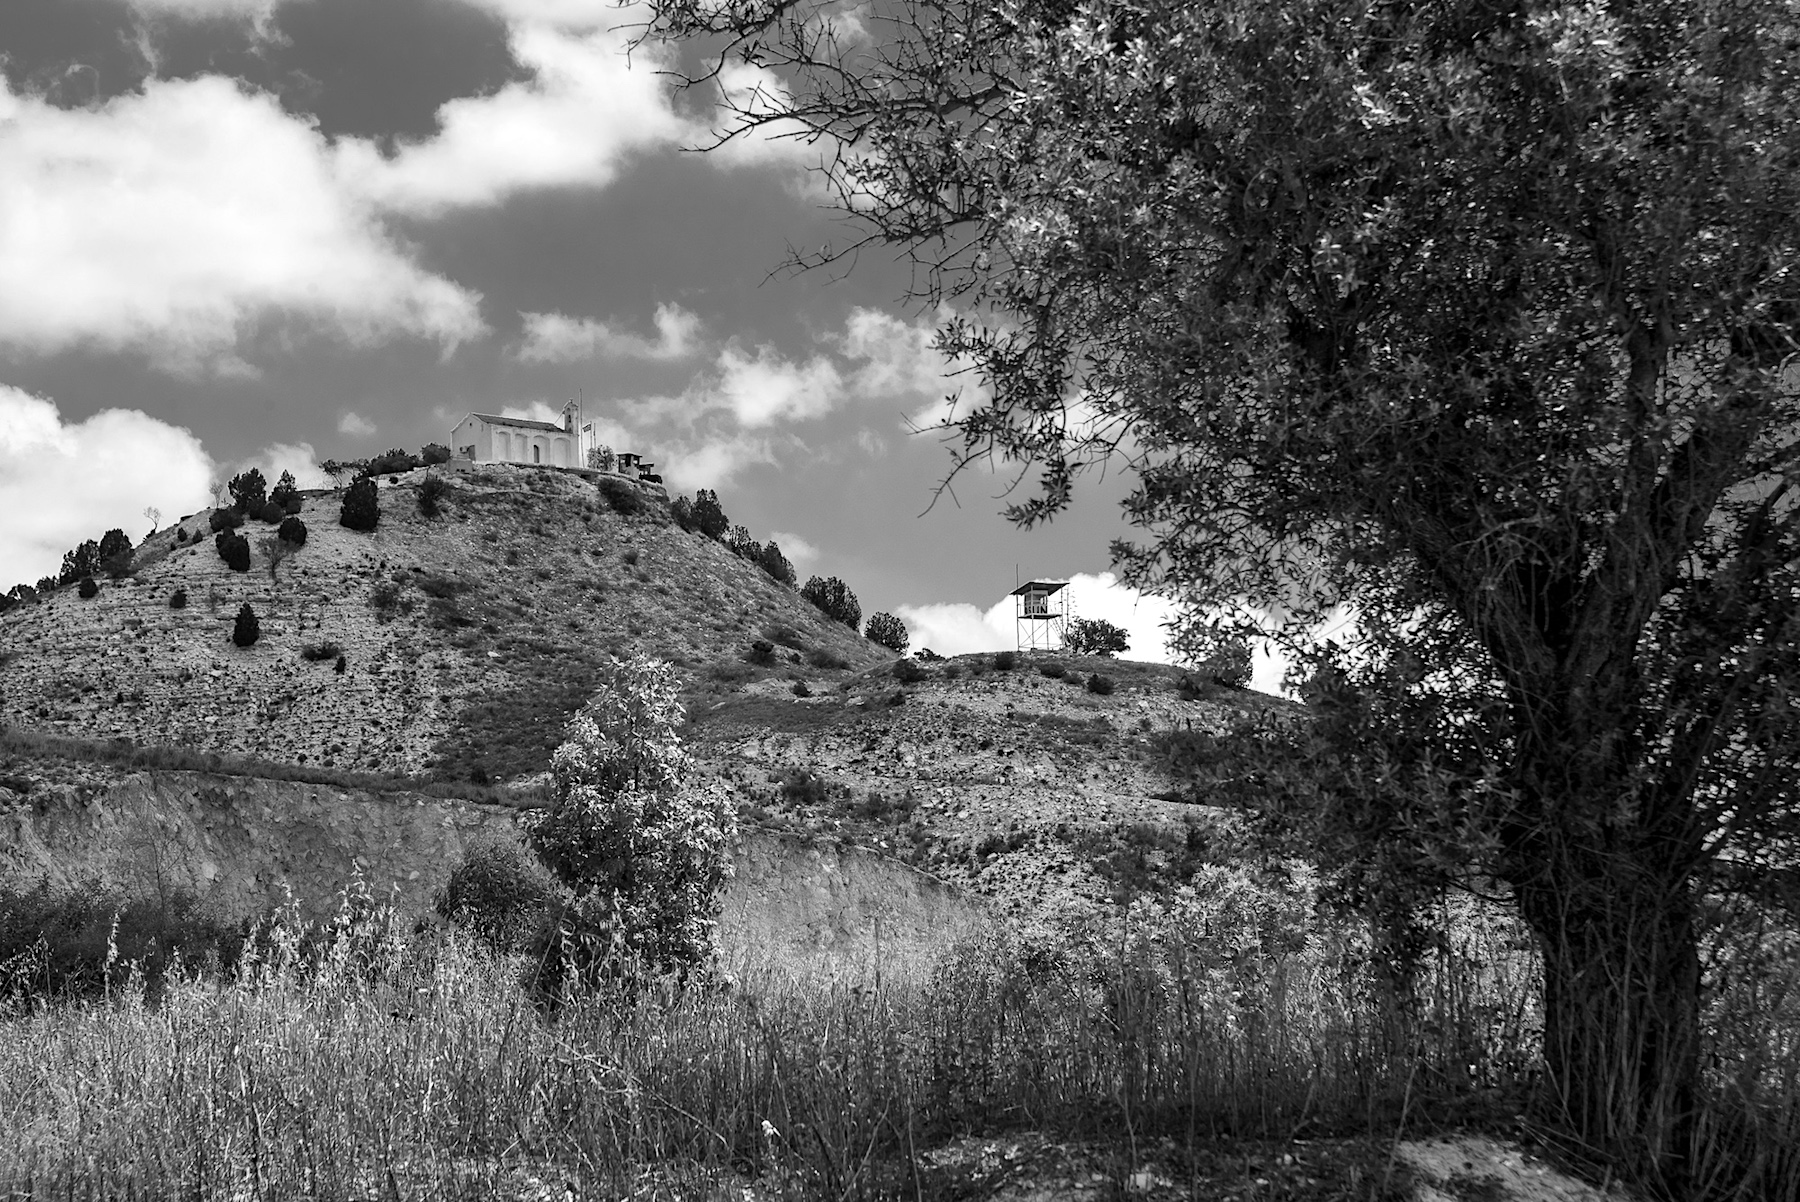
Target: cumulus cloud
x,y
296,457
555,338
64,482
355,425
587,108
797,549
171,219
709,462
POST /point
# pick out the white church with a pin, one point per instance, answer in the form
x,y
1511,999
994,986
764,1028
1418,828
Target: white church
x,y
486,438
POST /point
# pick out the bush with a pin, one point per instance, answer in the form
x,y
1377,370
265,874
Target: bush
x,y
643,847
341,665
1053,671
740,544
315,652
824,657
433,453
115,553
772,561
761,652
87,588
82,560
708,516
800,788
800,689
1100,685
1005,661
285,494
1095,636
362,508
234,549
431,495
178,599
224,519
622,496
292,530
834,598
76,940
246,630
249,491
271,514
907,672
391,463
498,893
889,631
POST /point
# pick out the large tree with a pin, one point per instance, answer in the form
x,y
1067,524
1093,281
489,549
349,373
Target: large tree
x,y
1479,315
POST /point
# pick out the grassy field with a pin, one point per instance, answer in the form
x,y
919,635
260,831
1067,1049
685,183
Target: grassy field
x,y
363,1061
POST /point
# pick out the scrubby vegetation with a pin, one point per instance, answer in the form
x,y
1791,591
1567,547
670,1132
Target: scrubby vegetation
x,y
834,599
234,549
87,588
246,629
889,631
361,509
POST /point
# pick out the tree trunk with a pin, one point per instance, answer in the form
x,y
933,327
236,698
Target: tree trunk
x,y
1621,1010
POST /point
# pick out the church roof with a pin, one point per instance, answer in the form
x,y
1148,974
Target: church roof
x,y
519,422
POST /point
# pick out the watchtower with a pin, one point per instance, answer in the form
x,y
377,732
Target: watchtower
x,y
1040,619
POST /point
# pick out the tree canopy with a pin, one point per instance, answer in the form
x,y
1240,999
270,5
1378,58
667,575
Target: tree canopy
x,y
1478,317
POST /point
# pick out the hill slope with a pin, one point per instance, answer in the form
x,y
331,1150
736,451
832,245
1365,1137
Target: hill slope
x,y
467,638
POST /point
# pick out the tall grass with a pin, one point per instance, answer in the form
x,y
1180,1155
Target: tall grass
x,y
359,1060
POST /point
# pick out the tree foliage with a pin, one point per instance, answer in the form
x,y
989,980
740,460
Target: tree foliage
x,y
1095,636
834,599
772,561
79,561
361,509
641,845
292,530
1480,318
246,629
286,494
249,491
707,516
234,549
889,631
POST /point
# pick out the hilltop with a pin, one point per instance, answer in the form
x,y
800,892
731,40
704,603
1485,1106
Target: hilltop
x,y
466,638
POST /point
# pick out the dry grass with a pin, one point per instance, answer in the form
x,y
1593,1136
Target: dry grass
x,y
380,1064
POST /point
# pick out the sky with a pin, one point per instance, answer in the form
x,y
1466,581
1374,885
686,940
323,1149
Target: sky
x,y
271,232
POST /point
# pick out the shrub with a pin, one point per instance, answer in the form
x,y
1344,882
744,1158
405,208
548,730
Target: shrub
x,y
499,893
83,560
234,549
602,459
391,463
740,544
246,630
224,519
622,496
798,787
1053,671
800,689
834,598
1005,661
115,553
87,588
431,495
285,494
249,491
362,508
682,511
271,514
889,631
907,672
178,599
1229,664
292,530
1095,636
761,652
772,561
341,665
708,516
643,847
433,453
824,657
315,652
1100,685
